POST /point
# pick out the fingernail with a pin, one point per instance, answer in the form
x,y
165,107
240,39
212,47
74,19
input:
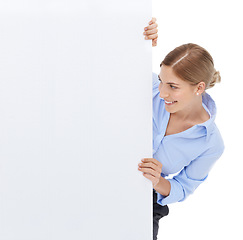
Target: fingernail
x,y
146,37
145,29
142,159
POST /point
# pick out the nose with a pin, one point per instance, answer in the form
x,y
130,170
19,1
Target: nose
x,y
163,92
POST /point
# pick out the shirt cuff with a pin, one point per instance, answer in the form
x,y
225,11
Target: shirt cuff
x,y
176,194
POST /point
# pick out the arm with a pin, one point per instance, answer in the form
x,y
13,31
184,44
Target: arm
x,y
190,177
151,169
184,183
163,187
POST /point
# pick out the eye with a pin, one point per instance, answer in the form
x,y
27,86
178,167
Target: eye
x,y
173,87
159,78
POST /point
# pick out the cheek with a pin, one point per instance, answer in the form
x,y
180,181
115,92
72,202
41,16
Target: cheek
x,y
178,95
184,94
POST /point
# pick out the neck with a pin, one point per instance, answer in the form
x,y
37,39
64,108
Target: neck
x,y
191,112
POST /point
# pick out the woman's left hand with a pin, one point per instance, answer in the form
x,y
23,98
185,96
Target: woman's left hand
x,y
151,169
151,32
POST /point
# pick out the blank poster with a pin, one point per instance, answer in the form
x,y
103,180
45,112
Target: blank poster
x,y
75,120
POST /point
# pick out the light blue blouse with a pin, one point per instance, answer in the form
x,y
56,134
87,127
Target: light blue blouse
x,y
189,154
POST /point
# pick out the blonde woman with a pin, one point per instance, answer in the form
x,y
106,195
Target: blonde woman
x,y
186,139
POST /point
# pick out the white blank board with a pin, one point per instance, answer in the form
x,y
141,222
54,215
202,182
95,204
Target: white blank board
x,y
75,120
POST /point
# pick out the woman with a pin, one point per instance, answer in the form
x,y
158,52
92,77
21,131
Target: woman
x,y
186,140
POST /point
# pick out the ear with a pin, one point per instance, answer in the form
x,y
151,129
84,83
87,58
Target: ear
x,y
200,88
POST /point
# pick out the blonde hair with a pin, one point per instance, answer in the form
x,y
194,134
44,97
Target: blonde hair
x,y
194,64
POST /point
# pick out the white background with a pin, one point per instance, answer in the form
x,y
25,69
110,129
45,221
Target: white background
x,y
75,120
214,211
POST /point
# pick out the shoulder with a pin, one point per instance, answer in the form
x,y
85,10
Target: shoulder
x,y
154,75
155,79
215,142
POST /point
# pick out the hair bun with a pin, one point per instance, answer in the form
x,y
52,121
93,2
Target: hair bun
x,y
215,79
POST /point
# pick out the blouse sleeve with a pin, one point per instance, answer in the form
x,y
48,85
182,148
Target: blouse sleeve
x,y
191,176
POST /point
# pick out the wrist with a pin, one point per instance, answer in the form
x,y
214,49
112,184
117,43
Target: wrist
x,y
163,187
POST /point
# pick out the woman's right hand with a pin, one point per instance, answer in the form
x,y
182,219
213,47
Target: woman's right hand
x,y
151,169
151,32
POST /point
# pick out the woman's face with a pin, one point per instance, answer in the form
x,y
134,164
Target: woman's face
x,y
178,94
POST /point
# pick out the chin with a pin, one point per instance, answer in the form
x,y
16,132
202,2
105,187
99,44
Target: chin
x,y
170,109
173,108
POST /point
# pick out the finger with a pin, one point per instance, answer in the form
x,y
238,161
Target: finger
x,y
150,171
149,32
152,26
151,165
150,177
153,36
156,162
154,42
153,172
153,20
148,165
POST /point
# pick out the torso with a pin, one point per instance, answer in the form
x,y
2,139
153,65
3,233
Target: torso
x,y
176,126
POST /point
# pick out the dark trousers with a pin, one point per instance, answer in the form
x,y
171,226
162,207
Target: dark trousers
x,y
158,212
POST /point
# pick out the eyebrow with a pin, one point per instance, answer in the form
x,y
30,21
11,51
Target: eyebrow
x,y
168,82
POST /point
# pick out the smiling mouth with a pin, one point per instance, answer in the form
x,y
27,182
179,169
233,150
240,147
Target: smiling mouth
x,y
170,103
